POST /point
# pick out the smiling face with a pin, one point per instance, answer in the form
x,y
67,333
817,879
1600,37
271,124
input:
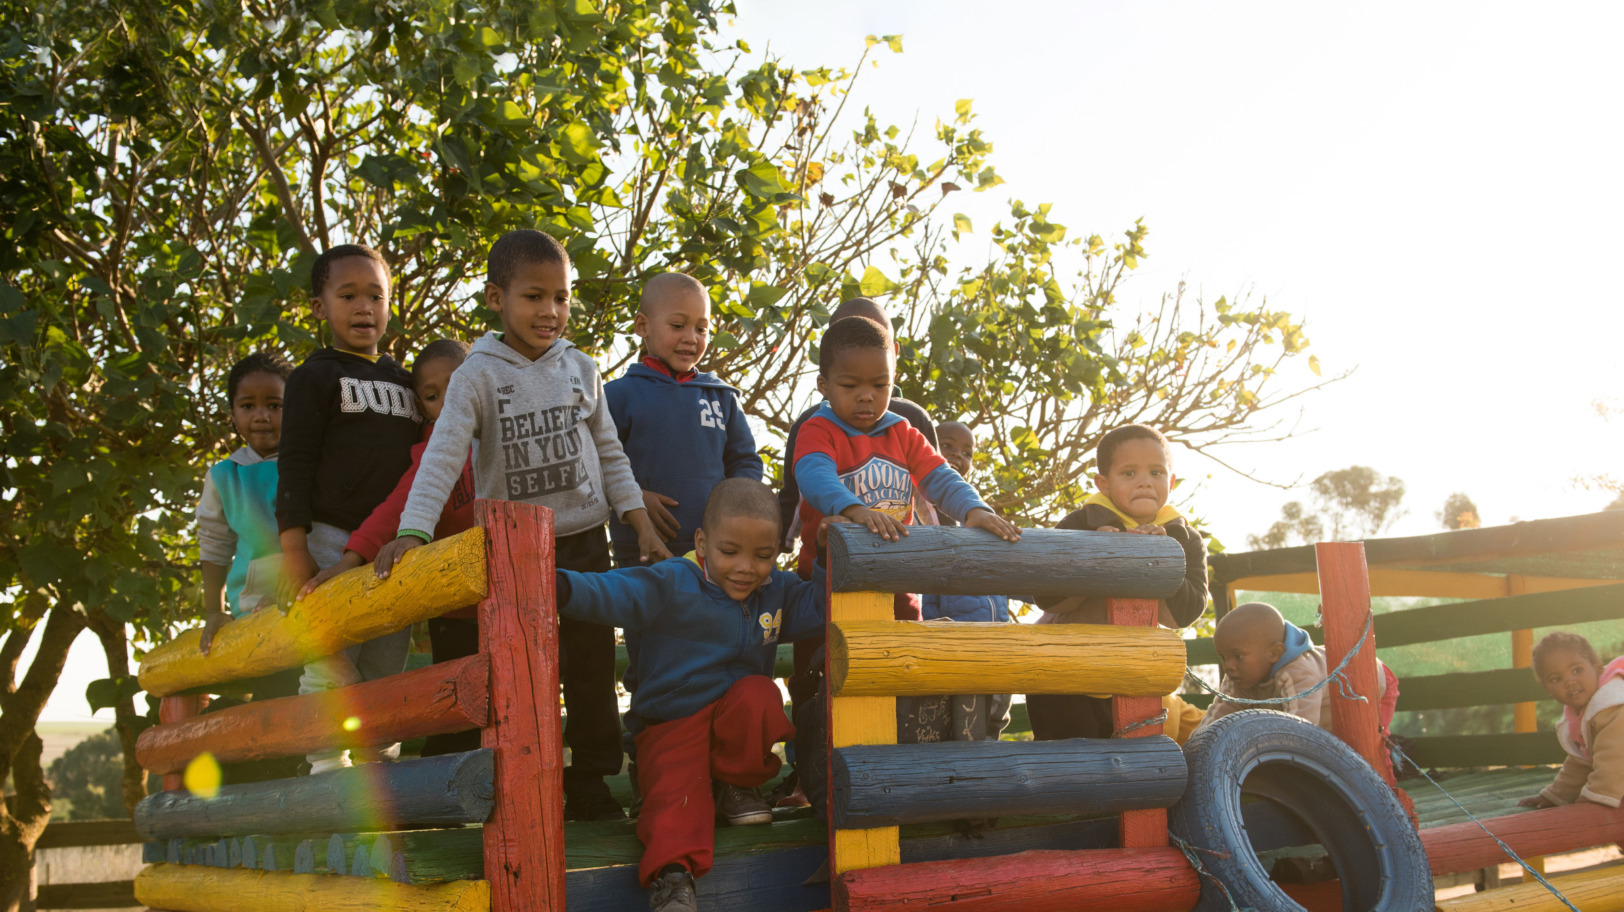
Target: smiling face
x,y
534,307
858,384
1569,677
1139,479
429,381
675,327
256,412
355,304
958,446
739,553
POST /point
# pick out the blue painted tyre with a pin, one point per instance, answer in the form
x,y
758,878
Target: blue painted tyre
x,y
1261,780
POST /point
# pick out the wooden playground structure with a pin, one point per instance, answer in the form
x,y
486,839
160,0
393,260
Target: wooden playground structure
x,y
1082,823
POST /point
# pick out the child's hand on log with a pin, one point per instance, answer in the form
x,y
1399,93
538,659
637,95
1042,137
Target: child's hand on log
x,y
1539,802
297,569
390,554
1149,529
823,529
881,524
992,522
349,561
211,626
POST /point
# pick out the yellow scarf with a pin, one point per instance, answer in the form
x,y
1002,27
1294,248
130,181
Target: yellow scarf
x,y
1163,516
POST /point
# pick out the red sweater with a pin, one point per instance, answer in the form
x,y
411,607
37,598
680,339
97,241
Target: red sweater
x,y
381,526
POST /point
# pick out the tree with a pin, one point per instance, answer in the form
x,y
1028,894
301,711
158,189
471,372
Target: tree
x,y
1352,503
89,777
1459,512
168,170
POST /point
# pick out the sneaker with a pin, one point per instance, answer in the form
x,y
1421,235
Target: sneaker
x,y
592,802
741,806
674,892
637,793
328,764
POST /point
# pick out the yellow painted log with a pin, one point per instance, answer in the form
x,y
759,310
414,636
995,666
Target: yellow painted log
x,y
194,888
1601,890
352,608
863,720
909,658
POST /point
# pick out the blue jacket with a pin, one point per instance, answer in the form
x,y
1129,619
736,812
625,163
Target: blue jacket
x,y
982,608
694,641
1297,644
681,438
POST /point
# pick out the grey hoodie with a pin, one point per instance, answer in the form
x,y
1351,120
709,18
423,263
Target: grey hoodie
x,y
528,417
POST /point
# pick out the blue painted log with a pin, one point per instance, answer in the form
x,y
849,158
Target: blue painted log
x,y
235,854
153,852
250,851
769,882
304,857
950,560
434,791
887,785
335,855
222,853
173,849
361,864
267,860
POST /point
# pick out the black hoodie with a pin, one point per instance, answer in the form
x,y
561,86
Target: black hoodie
x,y
348,426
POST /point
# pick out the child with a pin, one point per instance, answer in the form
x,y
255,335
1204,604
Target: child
x,y
536,406
706,706
1134,479
1591,698
1263,656
347,436
856,459
456,634
236,516
682,430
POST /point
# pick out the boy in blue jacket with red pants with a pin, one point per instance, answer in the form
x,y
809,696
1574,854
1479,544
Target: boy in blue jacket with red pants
x,y
705,706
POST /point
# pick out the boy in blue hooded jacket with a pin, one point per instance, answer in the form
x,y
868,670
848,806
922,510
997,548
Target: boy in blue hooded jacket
x,y
706,707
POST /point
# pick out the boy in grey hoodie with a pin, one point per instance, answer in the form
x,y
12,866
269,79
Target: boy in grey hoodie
x,y
533,407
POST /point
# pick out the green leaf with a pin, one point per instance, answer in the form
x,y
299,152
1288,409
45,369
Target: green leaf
x,y
580,144
874,283
107,693
962,109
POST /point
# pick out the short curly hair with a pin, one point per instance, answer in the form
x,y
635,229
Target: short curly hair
x,y
260,362
1105,454
323,268
526,245
851,332
1562,641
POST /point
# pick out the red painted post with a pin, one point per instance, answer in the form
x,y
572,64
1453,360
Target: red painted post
x,y
174,709
1344,613
1147,828
518,629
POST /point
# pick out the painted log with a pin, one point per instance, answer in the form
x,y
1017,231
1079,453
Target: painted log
x,y
1099,880
1141,827
172,710
518,630
912,658
1509,749
434,791
181,889
860,720
951,560
438,699
1469,688
1462,847
1593,891
349,609
887,785
1345,612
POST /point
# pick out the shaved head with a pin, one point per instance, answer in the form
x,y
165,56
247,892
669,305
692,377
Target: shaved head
x,y
1256,622
740,497
862,307
667,286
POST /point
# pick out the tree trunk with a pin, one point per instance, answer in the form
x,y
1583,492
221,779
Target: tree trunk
x,y
22,820
114,637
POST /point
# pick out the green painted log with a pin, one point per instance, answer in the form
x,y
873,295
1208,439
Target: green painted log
x,y
1501,615
1519,749
1470,688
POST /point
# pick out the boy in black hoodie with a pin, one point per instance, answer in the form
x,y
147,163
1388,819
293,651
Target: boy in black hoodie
x,y
348,426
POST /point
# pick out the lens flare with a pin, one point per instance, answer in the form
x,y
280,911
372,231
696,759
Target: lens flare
x,y
202,776
353,723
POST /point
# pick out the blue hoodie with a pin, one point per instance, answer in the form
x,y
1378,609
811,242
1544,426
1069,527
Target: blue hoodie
x,y
695,641
1297,643
682,438
985,609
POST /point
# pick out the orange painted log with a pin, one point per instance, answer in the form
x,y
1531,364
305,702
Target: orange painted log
x,y
1344,612
1462,847
435,700
518,630
1099,880
176,709
1145,828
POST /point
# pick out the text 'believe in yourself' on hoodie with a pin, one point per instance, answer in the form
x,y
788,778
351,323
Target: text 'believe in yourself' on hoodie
x,y
348,425
544,437
683,437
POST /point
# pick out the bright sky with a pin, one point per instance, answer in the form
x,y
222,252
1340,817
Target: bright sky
x,y
1435,187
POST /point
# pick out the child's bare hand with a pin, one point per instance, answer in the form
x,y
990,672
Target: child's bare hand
x,y
1536,801
297,569
880,524
823,528
992,522
650,545
1107,529
211,626
1149,529
390,554
664,523
349,561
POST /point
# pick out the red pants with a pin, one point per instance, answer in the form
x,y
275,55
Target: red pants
x,y
731,740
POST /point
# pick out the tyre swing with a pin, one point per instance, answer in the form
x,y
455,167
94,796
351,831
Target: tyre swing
x,y
1323,791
